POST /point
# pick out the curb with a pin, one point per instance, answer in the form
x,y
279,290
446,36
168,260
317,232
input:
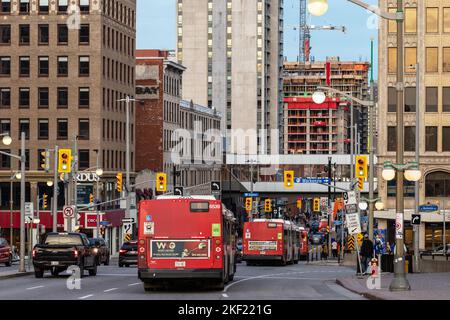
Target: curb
x,y
16,275
364,294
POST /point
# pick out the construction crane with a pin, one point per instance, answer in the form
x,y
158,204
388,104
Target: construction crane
x,y
305,32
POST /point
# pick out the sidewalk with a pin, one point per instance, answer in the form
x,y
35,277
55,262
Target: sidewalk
x,y
13,272
424,286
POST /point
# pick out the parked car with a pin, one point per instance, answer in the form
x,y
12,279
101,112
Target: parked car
x,y
101,249
58,251
5,252
239,251
128,254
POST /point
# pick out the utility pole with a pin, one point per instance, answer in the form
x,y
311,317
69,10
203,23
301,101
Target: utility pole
x,y
352,149
23,160
55,192
329,203
371,146
417,159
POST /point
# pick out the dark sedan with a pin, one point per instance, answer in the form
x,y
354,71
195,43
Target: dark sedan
x,y
101,249
128,254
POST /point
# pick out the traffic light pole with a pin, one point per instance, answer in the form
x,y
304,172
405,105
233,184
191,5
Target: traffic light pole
x,y
55,192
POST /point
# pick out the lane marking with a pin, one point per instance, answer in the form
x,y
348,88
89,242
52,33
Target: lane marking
x,y
258,277
118,275
85,297
109,290
134,284
37,287
224,295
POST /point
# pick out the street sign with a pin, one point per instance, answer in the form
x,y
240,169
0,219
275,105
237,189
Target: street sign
x,y
29,209
69,211
415,219
90,220
105,223
350,197
215,187
353,223
251,195
312,180
178,191
127,230
428,208
399,226
128,220
351,208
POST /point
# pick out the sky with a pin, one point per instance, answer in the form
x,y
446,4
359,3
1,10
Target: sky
x,y
156,29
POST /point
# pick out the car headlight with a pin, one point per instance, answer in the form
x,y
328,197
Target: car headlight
x,y
95,250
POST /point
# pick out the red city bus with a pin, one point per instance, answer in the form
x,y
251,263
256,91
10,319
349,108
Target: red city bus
x,y
304,244
190,238
270,240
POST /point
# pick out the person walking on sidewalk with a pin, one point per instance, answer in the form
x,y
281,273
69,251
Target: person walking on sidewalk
x,y
324,255
334,248
366,253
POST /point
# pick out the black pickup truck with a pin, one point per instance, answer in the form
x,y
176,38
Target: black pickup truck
x,y
58,251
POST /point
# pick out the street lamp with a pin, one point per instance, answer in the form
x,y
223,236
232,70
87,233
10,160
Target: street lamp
x,y
379,205
317,7
7,140
49,183
319,97
411,171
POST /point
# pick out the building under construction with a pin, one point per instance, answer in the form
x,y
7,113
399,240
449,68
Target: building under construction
x,y
311,128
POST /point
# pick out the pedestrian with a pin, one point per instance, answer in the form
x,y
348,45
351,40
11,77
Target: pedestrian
x,y
334,248
388,248
366,253
324,252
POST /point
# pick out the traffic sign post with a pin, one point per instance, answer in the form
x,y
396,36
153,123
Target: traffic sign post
x,y
69,215
354,228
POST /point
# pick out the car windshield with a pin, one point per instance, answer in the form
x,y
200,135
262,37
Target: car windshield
x,y
92,241
58,239
129,246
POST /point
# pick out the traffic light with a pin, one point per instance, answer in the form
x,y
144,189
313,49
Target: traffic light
x,y
361,167
267,205
119,182
299,203
44,201
361,184
65,161
91,199
45,160
316,204
289,179
248,204
161,182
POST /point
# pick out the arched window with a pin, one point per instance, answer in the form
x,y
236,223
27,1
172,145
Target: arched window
x,y
437,184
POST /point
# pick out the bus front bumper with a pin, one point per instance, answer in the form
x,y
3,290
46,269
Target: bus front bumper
x,y
251,257
151,274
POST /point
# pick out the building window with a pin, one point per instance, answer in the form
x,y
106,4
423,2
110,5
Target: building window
x,y
43,6
84,6
5,97
24,66
392,99
6,6
83,97
410,59
83,66
410,20
408,188
63,98
62,6
445,139
446,60
24,97
437,184
43,129
43,97
43,34
63,34
5,161
5,126
410,138
24,34
43,66
432,99
63,66
431,138
83,129
83,157
445,99
392,60
62,129
446,20
431,59
410,99
24,126
84,34
432,22
392,139
5,34
5,66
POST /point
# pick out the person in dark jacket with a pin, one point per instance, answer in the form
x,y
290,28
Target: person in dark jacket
x,y
366,253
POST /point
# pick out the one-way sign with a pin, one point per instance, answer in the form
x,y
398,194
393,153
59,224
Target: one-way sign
x,y
215,186
415,219
178,191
